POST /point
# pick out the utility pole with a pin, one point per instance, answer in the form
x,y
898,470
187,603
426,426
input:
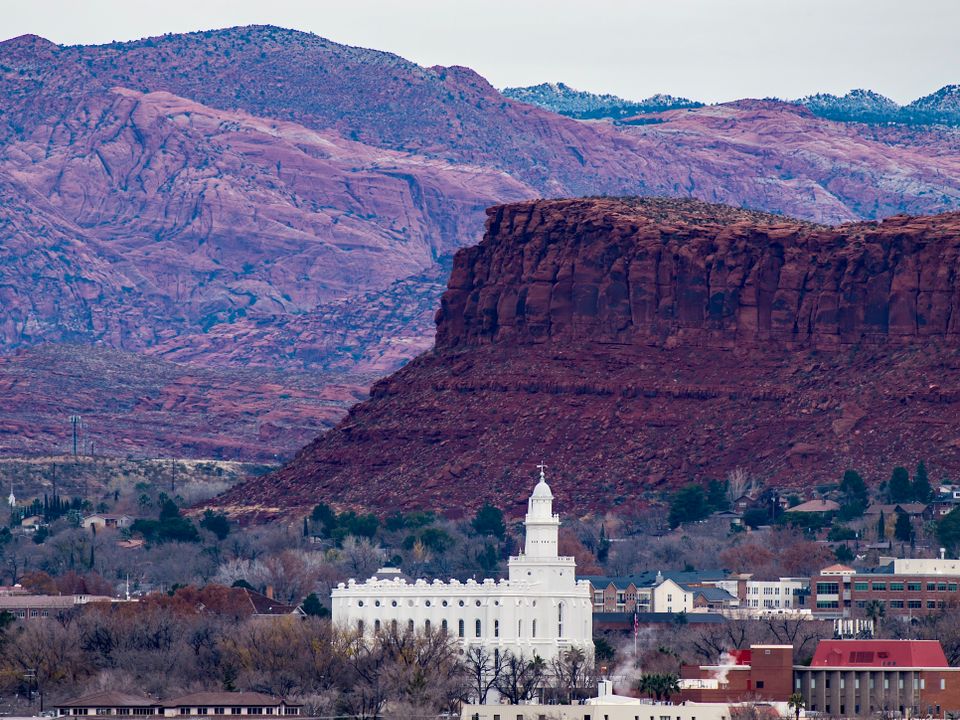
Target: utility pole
x,y
173,477
76,420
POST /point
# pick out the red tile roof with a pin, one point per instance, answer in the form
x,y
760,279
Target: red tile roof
x,y
879,653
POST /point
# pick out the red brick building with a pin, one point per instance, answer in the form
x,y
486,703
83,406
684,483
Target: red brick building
x,y
764,672
840,591
854,677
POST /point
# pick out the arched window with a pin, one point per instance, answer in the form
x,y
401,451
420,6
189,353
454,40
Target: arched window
x,y
560,620
393,626
533,633
460,629
477,628
410,626
496,657
376,626
426,626
443,626
496,628
360,626
519,628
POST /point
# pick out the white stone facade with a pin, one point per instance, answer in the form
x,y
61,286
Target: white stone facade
x,y
541,609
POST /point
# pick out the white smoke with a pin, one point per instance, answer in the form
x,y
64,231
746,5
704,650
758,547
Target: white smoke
x,y
726,663
627,672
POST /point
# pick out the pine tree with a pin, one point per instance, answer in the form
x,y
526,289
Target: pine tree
x,y
306,527
882,527
899,489
903,531
921,484
603,547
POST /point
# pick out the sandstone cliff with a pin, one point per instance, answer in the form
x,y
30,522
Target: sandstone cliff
x,y
636,345
657,272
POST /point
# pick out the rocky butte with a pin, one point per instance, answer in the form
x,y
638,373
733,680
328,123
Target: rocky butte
x,y
638,344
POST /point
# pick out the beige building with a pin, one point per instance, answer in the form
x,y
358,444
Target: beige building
x,y
103,521
109,703
33,607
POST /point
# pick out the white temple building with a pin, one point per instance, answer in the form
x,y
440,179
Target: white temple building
x,y
541,609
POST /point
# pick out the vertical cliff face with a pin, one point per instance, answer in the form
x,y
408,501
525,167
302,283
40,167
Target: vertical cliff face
x,y
665,272
638,345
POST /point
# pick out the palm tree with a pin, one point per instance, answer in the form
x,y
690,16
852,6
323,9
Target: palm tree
x,y
659,686
670,685
797,703
645,685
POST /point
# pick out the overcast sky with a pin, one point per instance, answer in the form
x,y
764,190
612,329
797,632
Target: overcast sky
x,y
710,50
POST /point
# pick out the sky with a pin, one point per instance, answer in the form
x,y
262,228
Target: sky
x,y
708,50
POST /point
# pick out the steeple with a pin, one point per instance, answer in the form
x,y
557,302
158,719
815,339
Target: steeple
x,y
12,500
542,526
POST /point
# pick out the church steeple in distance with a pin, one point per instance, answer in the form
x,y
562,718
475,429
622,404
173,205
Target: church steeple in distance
x,y
542,526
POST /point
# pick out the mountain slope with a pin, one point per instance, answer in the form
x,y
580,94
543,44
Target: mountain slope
x,y
637,345
264,198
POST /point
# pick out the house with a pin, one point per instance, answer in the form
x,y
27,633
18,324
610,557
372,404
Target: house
x,y
32,523
815,506
103,521
264,605
109,703
631,593
949,493
913,510
713,598
735,519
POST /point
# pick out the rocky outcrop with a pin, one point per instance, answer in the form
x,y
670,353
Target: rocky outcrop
x,y
667,272
635,345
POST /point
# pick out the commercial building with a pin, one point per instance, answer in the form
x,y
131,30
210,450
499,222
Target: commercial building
x,y
109,703
854,677
541,609
906,589
764,672
761,597
610,706
35,607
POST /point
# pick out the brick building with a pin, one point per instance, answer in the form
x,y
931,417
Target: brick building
x,y
764,672
854,677
912,589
